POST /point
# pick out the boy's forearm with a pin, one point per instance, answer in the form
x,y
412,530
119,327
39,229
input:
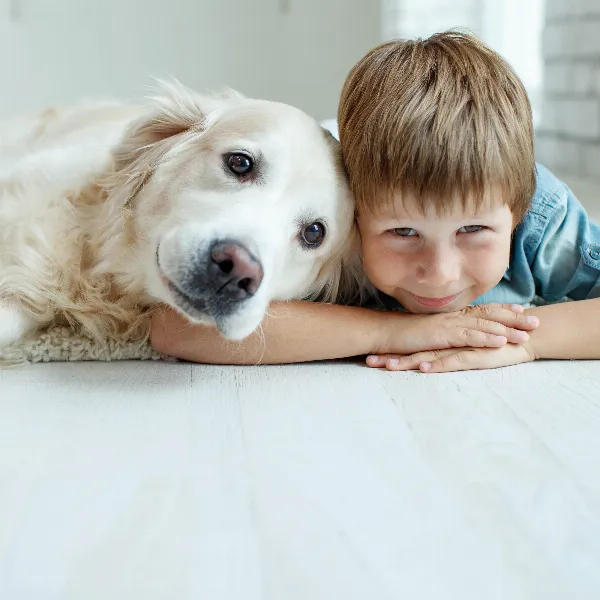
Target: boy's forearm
x,y
569,330
292,332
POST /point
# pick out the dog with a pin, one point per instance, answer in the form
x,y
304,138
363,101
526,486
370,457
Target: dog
x,y
215,205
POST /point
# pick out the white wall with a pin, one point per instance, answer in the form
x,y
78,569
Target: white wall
x,y
298,51
569,137
514,29
422,18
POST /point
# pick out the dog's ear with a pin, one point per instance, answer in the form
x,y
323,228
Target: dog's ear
x,y
172,111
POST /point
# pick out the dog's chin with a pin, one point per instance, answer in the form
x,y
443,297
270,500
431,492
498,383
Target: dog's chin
x,y
234,329
231,327
235,326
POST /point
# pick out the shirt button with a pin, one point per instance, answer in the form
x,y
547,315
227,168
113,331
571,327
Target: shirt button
x,y
594,254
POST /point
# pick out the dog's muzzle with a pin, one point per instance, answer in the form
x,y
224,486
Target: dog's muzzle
x,y
220,280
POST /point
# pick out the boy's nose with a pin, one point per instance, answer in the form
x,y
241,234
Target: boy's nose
x,y
439,268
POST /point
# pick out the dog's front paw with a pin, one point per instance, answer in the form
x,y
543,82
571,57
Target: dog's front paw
x,y
14,324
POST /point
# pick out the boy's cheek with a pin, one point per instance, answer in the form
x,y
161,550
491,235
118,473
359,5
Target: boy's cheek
x,y
372,251
382,267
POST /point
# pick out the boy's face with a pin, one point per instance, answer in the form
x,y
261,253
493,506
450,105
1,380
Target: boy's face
x,y
435,263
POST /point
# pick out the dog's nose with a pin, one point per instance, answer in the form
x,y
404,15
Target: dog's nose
x,y
235,273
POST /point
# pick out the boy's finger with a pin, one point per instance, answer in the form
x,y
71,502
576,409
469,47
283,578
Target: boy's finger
x,y
486,358
407,363
482,333
377,361
412,362
505,317
485,334
477,337
459,361
516,336
517,308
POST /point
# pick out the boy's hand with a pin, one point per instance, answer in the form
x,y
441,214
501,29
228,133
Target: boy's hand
x,y
486,326
443,361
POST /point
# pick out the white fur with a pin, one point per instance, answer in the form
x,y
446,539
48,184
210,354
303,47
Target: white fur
x,y
93,199
14,324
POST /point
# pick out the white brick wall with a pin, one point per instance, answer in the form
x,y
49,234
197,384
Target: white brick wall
x,y
564,78
576,118
559,9
568,137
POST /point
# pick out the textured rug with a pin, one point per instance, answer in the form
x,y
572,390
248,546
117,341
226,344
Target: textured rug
x,y
63,344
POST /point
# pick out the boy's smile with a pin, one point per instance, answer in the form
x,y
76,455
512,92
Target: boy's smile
x,y
435,262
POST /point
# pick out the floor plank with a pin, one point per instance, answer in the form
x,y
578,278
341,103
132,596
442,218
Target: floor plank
x,y
140,479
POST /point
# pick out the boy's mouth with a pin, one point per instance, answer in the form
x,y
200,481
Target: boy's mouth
x,y
434,302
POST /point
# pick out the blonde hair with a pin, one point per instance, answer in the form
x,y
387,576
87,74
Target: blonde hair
x,y
437,117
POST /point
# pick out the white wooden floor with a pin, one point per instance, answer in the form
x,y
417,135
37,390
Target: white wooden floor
x,y
139,480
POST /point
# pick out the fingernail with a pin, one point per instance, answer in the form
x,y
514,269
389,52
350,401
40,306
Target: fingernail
x,y
518,308
393,362
425,366
523,335
371,358
533,320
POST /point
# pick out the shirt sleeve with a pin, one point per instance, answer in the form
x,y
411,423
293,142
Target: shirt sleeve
x,y
566,261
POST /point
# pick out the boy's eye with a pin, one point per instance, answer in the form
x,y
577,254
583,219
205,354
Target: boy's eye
x,y
405,232
471,229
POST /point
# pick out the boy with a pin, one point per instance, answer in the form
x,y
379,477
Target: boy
x,y
438,144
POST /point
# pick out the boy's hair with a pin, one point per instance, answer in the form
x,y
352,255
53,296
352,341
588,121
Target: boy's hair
x,y
437,117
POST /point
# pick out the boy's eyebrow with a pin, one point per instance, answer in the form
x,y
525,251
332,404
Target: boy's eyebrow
x,y
389,215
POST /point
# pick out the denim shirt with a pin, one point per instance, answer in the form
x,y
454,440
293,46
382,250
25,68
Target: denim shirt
x,y
555,252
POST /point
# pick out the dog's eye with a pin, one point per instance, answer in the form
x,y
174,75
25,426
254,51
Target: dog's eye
x,y
313,234
239,163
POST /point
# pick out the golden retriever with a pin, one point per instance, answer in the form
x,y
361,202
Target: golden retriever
x,y
214,205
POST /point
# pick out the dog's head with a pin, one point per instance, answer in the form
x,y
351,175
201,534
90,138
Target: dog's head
x,y
234,203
